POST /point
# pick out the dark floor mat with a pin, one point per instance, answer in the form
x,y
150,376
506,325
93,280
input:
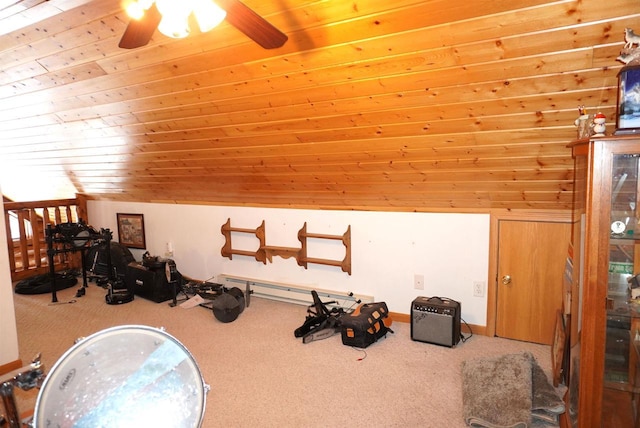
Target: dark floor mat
x,y
41,284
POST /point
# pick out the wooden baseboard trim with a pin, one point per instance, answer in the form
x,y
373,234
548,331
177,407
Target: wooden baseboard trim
x,y
466,328
9,367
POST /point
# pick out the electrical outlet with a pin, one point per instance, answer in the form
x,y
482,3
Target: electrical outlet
x,y
418,282
478,288
168,250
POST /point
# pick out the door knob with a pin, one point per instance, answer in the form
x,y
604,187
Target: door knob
x,y
506,280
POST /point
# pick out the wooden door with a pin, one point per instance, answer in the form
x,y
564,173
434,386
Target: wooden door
x,y
531,260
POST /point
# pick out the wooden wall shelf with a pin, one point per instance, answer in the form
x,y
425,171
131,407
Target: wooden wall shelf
x,y
266,253
227,251
344,264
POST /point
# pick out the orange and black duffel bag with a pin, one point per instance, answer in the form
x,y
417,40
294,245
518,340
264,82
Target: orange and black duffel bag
x,y
368,323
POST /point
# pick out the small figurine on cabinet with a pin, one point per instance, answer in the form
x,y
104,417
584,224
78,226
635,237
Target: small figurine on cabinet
x,y
599,124
582,122
631,38
630,54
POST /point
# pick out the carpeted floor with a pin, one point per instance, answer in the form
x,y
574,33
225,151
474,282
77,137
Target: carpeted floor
x,y
261,375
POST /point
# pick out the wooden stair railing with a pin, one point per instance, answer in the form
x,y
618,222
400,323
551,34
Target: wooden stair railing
x,y
26,224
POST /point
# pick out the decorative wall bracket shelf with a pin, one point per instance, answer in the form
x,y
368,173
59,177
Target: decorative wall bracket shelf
x,y
266,252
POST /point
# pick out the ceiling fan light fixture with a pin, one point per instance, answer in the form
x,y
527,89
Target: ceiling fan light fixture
x,y
175,23
208,14
174,27
146,4
175,17
175,7
136,8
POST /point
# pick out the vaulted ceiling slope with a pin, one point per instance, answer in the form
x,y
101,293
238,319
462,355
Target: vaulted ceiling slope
x,y
371,104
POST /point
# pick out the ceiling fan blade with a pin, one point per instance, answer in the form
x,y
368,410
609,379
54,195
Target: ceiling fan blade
x,y
139,32
252,25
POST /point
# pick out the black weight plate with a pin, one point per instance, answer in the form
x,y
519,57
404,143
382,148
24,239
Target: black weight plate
x,y
226,308
239,295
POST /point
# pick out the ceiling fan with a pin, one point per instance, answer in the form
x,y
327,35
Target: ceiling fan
x,y
139,31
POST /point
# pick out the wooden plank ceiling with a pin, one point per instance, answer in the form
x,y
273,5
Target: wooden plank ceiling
x,y
371,104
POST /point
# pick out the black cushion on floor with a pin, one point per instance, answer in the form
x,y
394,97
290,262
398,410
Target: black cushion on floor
x,y
41,284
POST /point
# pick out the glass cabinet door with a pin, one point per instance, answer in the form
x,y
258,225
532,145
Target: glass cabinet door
x,y
604,375
623,265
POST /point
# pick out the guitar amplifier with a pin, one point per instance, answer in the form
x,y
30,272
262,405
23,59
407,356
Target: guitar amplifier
x,y
435,320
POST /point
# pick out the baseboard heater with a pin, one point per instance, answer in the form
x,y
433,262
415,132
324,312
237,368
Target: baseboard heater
x,y
298,294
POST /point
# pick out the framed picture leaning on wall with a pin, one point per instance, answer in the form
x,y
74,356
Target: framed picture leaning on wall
x,y
131,230
628,114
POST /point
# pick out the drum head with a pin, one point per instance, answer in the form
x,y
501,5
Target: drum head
x,y
127,376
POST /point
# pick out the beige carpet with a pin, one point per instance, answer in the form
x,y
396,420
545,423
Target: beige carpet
x,y
262,376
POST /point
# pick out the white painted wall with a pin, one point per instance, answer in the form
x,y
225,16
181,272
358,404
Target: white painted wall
x,y
8,332
388,248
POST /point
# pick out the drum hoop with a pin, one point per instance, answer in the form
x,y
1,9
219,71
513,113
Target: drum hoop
x,y
85,341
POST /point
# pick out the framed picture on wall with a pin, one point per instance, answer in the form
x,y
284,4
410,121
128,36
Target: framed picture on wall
x,y
628,114
131,230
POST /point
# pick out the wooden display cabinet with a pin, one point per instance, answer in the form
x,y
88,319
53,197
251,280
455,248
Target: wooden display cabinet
x,y
606,248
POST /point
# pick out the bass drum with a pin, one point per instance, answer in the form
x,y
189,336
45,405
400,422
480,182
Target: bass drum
x,y
126,376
